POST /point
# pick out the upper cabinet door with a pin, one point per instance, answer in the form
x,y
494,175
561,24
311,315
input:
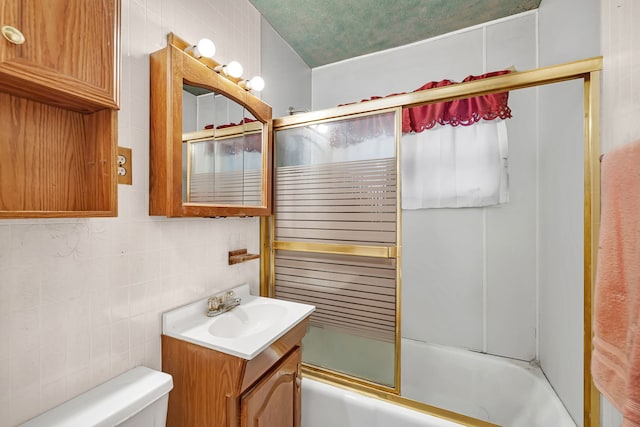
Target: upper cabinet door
x,y
70,53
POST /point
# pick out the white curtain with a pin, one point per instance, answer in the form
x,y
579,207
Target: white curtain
x,y
454,167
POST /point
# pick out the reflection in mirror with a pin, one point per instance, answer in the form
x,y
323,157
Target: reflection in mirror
x,y
222,150
252,158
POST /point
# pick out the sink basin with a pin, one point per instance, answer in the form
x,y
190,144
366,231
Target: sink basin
x,y
244,331
244,321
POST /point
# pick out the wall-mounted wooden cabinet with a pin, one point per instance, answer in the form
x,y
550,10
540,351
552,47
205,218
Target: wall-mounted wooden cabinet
x,y
69,57
59,91
210,148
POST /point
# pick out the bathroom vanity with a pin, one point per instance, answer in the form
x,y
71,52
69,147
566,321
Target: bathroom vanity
x,y
241,368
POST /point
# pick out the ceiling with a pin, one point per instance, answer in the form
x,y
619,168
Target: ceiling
x,y
326,31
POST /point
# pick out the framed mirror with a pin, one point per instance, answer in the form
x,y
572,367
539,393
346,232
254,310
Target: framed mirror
x,y
210,152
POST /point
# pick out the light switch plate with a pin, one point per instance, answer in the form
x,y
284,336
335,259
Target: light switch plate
x,y
125,175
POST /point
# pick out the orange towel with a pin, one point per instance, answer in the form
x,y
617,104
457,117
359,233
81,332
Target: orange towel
x,y
616,345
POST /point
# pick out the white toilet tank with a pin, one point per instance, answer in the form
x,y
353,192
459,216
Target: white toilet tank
x,y
137,398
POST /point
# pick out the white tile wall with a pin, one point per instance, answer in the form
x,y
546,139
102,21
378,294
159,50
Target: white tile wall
x,y
81,299
561,302
621,74
287,77
410,66
442,270
568,30
620,98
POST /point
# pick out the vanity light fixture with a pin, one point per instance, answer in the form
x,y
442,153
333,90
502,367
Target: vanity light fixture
x,y
205,48
256,83
232,69
204,51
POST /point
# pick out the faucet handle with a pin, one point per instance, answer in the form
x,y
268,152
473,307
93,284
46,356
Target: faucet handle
x,y
229,295
214,303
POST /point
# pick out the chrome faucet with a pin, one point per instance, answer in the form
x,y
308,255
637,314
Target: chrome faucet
x,y
221,304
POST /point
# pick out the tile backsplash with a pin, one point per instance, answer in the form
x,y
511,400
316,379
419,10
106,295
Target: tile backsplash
x,y
81,299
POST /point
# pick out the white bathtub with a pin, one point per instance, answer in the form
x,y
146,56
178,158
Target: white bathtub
x,y
325,405
501,391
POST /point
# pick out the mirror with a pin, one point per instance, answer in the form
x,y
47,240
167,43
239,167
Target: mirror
x,y
221,152
210,140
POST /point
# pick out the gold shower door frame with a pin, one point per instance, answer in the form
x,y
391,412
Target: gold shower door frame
x,y
589,71
370,251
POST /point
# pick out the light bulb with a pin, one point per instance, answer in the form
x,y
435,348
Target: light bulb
x,y
233,69
205,47
256,83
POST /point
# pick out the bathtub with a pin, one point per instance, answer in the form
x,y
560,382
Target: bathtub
x,y
497,390
325,405
502,391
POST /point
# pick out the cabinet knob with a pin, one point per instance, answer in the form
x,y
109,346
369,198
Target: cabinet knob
x,y
13,34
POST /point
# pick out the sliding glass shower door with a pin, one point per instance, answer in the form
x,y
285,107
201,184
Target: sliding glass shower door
x,y
335,241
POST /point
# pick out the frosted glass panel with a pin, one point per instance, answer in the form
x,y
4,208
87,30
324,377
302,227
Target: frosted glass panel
x,y
336,184
226,171
362,138
222,151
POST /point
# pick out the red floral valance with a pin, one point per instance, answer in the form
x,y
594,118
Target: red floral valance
x,y
463,112
228,125
252,141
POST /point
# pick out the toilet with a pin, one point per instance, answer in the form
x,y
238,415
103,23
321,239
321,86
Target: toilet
x,y
137,398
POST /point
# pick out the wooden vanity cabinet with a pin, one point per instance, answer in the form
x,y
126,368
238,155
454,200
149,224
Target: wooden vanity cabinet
x,y
215,389
275,400
59,93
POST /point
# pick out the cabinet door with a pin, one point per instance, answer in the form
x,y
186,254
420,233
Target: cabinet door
x,y
70,51
275,400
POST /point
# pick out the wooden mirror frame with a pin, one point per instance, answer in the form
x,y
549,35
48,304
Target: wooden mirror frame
x,y
170,68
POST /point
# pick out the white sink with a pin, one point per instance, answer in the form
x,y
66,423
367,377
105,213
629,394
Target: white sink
x,y
247,320
244,331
